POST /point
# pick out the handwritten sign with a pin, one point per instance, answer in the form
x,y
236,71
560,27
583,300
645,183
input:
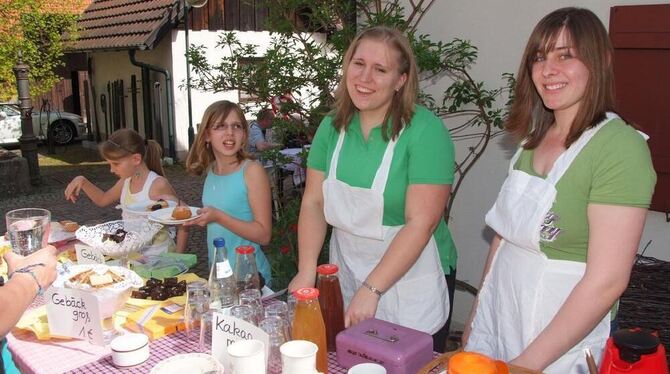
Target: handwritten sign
x,y
88,255
226,330
75,314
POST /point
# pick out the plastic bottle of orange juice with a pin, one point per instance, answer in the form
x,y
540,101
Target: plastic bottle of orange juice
x,y
308,324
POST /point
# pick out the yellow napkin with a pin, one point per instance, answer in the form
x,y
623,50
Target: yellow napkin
x,y
154,319
35,320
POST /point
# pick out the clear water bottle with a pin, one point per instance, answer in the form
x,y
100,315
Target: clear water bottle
x,y
222,285
246,272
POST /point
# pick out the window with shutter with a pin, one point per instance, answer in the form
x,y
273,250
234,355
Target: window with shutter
x,y
640,35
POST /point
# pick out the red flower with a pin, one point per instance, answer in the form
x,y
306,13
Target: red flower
x,y
285,249
294,227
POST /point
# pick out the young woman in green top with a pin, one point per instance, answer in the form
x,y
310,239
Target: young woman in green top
x,y
570,215
379,172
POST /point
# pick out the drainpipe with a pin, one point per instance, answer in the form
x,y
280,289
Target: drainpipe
x,y
168,91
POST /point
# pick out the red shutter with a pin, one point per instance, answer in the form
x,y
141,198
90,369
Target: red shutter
x,y
641,38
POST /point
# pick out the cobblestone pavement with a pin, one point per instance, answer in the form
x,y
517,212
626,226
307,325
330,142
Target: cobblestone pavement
x,y
58,170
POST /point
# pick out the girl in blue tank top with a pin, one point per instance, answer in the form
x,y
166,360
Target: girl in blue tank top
x,y
236,195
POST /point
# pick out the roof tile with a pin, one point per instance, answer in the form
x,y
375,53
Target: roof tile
x,y
124,24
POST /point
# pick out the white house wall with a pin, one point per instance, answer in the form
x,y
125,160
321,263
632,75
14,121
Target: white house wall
x,y
111,66
500,29
201,100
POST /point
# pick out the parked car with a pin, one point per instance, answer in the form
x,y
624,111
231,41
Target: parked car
x,y
65,127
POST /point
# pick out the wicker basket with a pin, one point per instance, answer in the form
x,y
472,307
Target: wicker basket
x,y
646,301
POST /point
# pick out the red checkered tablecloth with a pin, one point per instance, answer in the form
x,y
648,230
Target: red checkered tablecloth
x,y
77,356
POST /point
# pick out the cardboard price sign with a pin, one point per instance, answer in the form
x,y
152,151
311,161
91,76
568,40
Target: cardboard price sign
x,y
226,330
88,255
74,313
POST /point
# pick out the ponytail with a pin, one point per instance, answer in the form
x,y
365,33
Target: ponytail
x,y
152,157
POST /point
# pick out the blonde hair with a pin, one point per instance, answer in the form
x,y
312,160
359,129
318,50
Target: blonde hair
x,y
201,156
529,119
401,109
127,142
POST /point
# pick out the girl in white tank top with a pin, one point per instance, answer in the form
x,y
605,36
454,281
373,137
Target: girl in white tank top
x,y
137,163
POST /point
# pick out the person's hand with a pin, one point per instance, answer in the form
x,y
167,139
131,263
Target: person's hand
x,y
206,215
301,280
363,306
45,274
74,188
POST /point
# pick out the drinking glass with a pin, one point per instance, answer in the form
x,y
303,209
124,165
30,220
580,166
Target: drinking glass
x,y
291,301
206,330
274,326
252,297
197,304
243,312
28,229
278,308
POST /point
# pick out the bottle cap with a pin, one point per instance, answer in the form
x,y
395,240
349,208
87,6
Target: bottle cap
x,y
327,269
219,242
306,293
245,249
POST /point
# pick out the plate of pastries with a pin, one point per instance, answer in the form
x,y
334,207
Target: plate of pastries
x,y
144,208
175,215
62,231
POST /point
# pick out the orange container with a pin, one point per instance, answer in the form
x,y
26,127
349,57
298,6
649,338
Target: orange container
x,y
308,324
472,362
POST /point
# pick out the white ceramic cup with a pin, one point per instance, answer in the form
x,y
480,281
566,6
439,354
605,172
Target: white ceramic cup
x,y
247,357
298,357
129,350
367,368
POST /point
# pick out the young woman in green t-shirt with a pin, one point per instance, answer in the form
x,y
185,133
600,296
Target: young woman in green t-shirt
x,y
379,172
539,306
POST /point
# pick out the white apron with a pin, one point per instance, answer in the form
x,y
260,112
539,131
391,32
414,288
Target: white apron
x,y
524,289
419,299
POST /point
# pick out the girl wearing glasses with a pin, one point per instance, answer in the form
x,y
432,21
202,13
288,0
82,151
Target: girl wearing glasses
x,y
236,195
137,163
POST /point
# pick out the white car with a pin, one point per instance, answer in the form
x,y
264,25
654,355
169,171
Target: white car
x,y
65,127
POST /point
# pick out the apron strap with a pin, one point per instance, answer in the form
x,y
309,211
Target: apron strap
x,y
564,161
336,155
514,159
382,174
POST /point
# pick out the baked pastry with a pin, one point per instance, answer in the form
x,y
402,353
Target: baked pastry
x,y
69,226
96,280
116,237
181,212
159,204
156,289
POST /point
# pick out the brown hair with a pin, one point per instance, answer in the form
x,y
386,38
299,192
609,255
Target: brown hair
x,y
201,156
265,113
126,142
529,120
401,109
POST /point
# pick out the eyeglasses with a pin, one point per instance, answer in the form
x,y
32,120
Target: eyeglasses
x,y
235,127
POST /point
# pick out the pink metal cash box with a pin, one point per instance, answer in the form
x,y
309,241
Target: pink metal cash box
x,y
399,349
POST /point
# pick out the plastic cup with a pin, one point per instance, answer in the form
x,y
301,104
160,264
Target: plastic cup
x,y
247,356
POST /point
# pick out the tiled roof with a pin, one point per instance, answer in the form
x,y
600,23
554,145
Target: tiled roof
x,y
112,25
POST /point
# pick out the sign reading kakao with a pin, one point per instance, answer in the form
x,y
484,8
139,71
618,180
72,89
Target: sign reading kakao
x,y
74,313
